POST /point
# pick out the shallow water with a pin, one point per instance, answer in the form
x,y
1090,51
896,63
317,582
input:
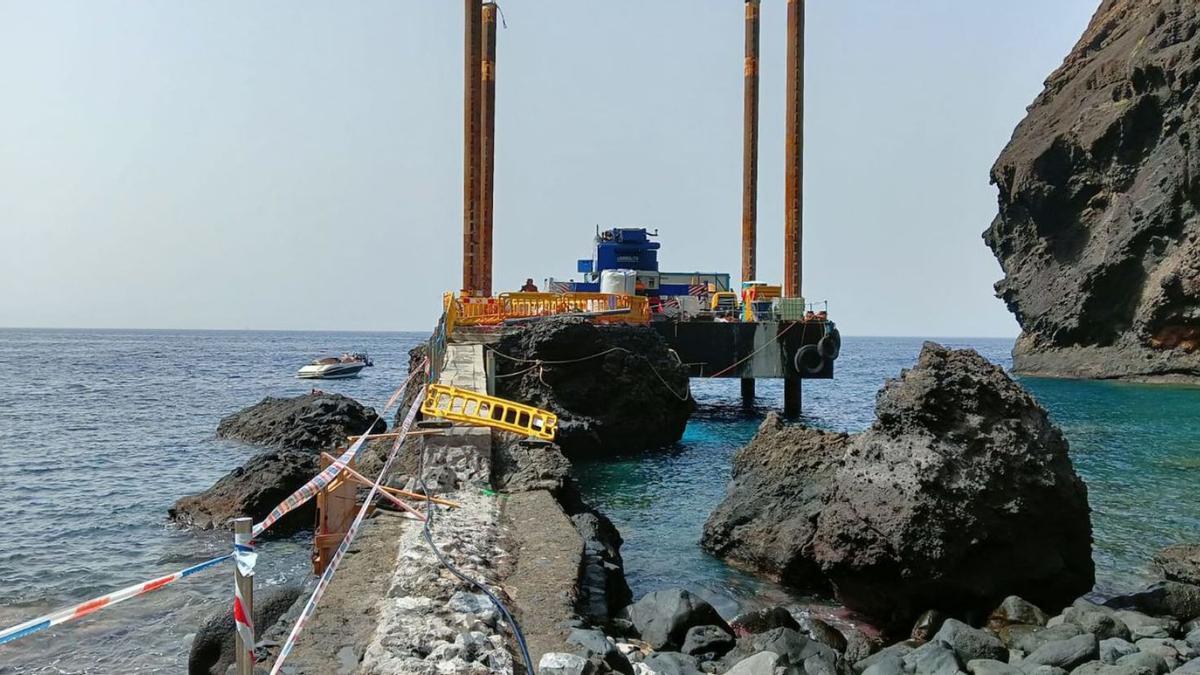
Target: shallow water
x,y
100,431
1136,446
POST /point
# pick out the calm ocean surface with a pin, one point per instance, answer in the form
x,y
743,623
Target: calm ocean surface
x,y
100,431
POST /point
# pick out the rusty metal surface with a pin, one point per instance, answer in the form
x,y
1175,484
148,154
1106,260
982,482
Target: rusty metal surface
x,y
487,150
750,147
793,270
472,64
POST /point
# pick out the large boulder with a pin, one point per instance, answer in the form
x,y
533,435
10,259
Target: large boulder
x,y
1098,231
663,618
252,490
615,388
314,422
960,494
778,488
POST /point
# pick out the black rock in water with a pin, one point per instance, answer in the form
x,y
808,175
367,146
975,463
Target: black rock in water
x,y
615,388
1098,231
960,494
252,490
314,422
212,649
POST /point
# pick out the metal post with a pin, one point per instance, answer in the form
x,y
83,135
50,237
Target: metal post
x,y
750,147
750,163
472,65
243,601
791,397
794,190
487,148
748,390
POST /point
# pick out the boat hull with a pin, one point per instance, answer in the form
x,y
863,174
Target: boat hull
x,y
339,371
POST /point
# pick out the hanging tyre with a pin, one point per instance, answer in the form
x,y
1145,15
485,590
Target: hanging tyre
x,y
808,360
830,346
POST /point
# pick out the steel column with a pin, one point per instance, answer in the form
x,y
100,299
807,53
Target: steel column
x,y
791,397
487,149
794,191
472,65
750,148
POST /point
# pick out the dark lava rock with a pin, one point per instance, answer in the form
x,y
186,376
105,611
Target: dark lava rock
x,y
603,590
1098,231
252,490
825,634
1179,563
933,658
763,620
707,642
969,643
1065,654
769,515
1016,610
520,466
671,663
793,648
663,617
926,626
961,493
762,663
314,422
1164,598
595,646
213,645
615,388
1033,637
1095,620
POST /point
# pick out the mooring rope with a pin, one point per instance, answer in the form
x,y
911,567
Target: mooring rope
x,y
687,394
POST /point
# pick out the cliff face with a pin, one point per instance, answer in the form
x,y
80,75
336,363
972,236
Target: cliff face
x,y
1100,202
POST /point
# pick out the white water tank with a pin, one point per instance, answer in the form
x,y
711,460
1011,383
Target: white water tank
x,y
620,282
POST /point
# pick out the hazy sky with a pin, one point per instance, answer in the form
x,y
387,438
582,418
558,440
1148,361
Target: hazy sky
x,y
298,164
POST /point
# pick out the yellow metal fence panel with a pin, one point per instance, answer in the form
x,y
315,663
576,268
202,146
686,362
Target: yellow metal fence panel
x,y
469,407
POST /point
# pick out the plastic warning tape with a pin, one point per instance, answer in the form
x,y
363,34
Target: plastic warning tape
x,y
323,582
84,608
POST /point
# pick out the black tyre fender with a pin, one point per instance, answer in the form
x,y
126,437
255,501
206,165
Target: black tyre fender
x,y
830,346
808,360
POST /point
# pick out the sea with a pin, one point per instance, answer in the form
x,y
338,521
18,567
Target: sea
x,y
102,430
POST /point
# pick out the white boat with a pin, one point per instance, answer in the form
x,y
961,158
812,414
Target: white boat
x,y
331,368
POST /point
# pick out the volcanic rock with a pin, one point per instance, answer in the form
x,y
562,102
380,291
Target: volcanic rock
x,y
1098,231
1179,563
313,422
212,648
663,617
960,494
252,490
614,388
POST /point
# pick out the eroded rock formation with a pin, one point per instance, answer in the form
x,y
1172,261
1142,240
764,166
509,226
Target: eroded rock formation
x,y
1099,202
314,422
960,493
614,388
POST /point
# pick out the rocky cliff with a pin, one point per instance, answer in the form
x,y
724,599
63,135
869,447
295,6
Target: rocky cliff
x,y
1099,202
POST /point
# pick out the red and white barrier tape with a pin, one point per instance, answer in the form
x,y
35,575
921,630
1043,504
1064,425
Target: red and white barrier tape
x,y
323,583
244,557
84,608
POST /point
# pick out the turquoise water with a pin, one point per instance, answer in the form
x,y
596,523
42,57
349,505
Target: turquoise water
x,y
1136,446
100,431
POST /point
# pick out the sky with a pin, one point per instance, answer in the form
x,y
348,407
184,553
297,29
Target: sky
x,y
298,165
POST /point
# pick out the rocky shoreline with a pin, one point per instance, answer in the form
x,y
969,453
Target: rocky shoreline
x,y
945,530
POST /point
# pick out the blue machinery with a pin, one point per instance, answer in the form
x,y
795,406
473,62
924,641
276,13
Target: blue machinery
x,y
777,346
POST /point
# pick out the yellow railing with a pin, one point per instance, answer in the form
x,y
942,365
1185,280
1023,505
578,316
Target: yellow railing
x,y
476,311
468,407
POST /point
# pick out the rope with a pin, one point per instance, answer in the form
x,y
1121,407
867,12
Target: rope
x,y
542,362
768,343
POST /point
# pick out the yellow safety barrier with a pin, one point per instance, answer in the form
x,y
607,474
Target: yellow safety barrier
x,y
475,311
469,407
